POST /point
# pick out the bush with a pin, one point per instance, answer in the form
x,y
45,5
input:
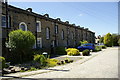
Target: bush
x,y
103,46
2,62
119,42
86,52
60,50
83,42
31,69
21,43
40,59
97,48
108,41
51,62
72,51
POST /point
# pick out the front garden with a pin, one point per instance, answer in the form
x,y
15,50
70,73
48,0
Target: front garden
x,y
24,58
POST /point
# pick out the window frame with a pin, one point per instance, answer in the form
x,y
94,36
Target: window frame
x,y
23,24
56,29
47,33
72,35
40,42
39,22
62,34
5,21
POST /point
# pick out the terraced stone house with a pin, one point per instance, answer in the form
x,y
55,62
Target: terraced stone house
x,y
49,32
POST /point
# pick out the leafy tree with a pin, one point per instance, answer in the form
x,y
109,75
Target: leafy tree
x,y
115,39
21,43
119,41
101,40
108,40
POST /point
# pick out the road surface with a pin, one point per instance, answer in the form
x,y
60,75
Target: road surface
x,y
104,65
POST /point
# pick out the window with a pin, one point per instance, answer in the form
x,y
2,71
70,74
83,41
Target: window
x,y
39,42
53,43
68,31
62,34
3,21
47,33
56,29
72,34
38,25
23,26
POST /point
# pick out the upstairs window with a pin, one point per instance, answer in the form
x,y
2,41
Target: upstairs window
x,y
23,26
3,21
68,31
38,25
56,29
47,33
62,34
72,35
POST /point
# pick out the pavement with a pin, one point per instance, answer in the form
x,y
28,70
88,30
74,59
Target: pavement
x,y
103,64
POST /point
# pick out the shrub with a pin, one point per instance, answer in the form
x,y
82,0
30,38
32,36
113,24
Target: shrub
x,y
31,69
51,62
108,41
40,59
72,51
103,46
83,42
60,50
86,52
119,42
97,48
21,43
2,62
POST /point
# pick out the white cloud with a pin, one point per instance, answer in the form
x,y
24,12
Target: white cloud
x,y
80,15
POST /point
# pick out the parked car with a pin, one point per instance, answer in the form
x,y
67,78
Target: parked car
x,y
100,44
89,46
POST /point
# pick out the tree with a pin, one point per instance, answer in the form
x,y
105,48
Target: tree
x,y
21,43
119,41
115,39
101,40
108,40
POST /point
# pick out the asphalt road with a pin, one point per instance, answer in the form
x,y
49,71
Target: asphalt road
x,y
104,65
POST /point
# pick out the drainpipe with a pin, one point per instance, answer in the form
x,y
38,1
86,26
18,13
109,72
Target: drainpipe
x,y
36,32
6,6
67,36
55,33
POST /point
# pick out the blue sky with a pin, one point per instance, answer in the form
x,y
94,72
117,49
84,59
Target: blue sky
x,y
99,17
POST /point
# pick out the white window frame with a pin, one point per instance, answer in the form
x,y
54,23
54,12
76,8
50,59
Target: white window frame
x,y
72,35
56,29
47,33
40,42
5,21
62,34
38,27
53,43
23,24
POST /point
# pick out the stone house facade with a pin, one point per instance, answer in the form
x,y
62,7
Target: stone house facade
x,y
49,32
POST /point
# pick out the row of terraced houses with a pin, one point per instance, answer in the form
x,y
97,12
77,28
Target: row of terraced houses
x,y
49,32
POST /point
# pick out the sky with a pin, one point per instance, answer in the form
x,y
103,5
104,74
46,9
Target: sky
x,y
99,17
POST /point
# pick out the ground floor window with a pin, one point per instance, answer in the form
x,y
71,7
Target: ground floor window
x,y
39,42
